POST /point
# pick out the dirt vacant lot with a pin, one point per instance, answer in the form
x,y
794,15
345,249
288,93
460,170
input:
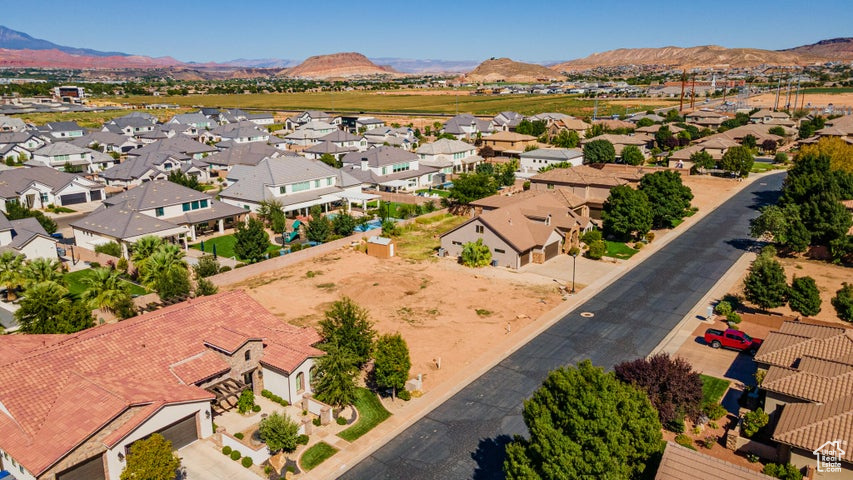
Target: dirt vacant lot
x,y
442,311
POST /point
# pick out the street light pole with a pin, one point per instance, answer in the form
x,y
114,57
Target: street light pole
x,y
574,262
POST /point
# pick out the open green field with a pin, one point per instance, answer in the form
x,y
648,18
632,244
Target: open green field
x,y
409,103
828,90
94,119
370,414
225,246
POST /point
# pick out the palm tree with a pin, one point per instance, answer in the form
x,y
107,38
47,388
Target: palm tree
x,y
41,270
166,272
269,209
143,248
10,272
106,289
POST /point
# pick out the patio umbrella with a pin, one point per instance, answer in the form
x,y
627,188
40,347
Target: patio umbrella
x,y
202,245
214,251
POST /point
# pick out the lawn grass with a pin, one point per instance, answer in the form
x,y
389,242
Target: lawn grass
x,y
76,285
225,246
403,102
828,90
713,389
619,250
419,240
316,454
370,414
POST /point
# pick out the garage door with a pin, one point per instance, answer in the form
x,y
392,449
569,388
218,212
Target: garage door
x,y
552,250
73,198
181,433
92,469
525,258
95,195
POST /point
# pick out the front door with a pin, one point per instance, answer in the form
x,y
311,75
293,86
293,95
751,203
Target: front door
x,y
247,379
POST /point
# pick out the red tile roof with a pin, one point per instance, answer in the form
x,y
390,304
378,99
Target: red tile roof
x,y
59,394
200,367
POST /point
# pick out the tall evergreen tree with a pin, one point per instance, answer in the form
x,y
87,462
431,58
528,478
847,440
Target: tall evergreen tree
x,y
627,213
765,284
252,241
804,296
669,198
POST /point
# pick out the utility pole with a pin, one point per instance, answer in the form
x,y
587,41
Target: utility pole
x,y
788,95
778,88
797,93
693,91
681,103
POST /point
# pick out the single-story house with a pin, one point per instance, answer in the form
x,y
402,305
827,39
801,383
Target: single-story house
x,y
73,405
534,160
26,237
38,187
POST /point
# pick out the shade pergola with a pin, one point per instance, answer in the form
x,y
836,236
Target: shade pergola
x,y
227,394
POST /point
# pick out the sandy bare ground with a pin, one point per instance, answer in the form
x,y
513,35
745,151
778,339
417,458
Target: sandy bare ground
x,y
767,100
433,304
709,192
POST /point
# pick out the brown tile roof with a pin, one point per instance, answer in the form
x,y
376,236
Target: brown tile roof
x,y
202,366
680,463
810,425
566,197
813,380
507,136
59,394
795,340
580,175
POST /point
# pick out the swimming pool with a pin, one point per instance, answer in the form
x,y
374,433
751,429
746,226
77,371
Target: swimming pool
x,y
369,226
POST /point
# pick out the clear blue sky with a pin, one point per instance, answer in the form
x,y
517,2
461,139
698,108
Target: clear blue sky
x,y
544,30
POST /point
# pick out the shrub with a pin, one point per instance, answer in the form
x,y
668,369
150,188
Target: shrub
x,y
238,436
266,393
246,401
404,395
709,441
723,308
341,421
235,455
224,269
783,471
256,408
111,248
650,236
733,317
597,249
714,411
226,450
302,439
843,302
316,422
94,265
675,426
476,254
591,236
639,245
267,469
684,441
247,462
753,421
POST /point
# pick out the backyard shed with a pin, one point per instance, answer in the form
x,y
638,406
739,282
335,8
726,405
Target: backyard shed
x,y
380,247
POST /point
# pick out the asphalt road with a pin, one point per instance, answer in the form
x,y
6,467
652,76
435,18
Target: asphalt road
x,y
465,436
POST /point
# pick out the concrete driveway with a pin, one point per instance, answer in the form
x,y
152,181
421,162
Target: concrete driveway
x,y
203,461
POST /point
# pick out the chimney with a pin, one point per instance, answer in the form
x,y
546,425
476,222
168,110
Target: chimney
x,y
364,163
548,219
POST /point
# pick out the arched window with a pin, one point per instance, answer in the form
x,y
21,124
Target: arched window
x,y
248,355
300,382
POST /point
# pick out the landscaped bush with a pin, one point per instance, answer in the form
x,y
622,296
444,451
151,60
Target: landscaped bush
x,y
247,462
591,237
224,269
684,441
316,422
266,393
675,426
226,450
341,421
404,395
596,250
639,245
715,411
267,469
723,308
238,436
709,441
235,455
733,317
302,439
111,248
246,401
753,421
785,471
256,408
650,236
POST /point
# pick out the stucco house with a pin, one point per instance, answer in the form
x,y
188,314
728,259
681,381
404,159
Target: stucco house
x,y
15,144
169,372
176,144
509,143
309,133
451,156
38,187
159,207
154,166
808,389
26,237
62,155
389,169
467,126
62,130
534,160
589,183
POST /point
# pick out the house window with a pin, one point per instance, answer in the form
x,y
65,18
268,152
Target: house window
x,y
301,186
300,382
246,207
384,170
248,355
185,207
401,167
43,198
195,205
329,182
499,250
478,228
456,243
281,190
316,183
158,211
550,186
203,204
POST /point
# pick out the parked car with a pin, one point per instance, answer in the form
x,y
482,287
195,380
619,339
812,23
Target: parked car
x,y
732,339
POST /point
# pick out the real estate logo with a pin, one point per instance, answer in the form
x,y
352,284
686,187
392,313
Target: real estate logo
x,y
829,456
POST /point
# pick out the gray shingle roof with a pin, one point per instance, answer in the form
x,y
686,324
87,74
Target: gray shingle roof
x,y
176,144
379,157
340,136
243,154
23,230
555,154
157,193
445,146
252,182
61,148
122,222
16,180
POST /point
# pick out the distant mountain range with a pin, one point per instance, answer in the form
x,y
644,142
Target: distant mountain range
x,y
18,50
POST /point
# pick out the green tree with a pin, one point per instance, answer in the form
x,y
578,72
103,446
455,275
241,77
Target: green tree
x,y
207,266
252,241
344,224
189,181
330,160
632,155
645,122
476,254
11,272
804,296
703,159
279,432
336,375
151,459
391,362
749,141
597,249
15,211
40,270
777,130
843,302
469,187
347,324
765,284
109,248
46,308
535,128
784,471
753,421
567,139
204,287
166,272
783,225
672,385
143,248
668,197
627,213
599,151
269,210
319,228
106,290
737,160
584,423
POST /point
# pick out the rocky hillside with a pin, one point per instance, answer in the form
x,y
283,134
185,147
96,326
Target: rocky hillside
x,y
833,49
58,59
507,70
705,56
336,65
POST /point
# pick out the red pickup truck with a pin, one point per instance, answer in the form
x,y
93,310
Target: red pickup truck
x,y
733,339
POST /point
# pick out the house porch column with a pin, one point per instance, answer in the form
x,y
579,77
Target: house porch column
x,y
221,225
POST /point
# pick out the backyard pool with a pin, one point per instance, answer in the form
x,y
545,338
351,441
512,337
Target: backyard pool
x,y
369,226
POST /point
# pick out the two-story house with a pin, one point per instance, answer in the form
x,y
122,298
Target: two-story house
x,y
389,169
62,130
450,156
506,121
310,133
508,143
19,145
467,126
69,157
534,160
159,207
296,121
